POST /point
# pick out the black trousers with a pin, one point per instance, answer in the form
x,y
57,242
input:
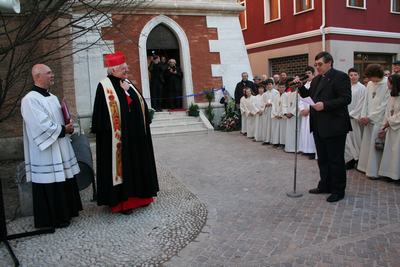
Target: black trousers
x,y
332,167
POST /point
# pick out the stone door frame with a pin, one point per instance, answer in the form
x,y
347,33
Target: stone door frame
x,y
184,51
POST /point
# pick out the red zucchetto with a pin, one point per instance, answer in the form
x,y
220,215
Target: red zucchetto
x,y
111,60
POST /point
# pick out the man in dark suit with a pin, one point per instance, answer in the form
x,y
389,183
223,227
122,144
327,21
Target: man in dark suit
x,y
239,88
329,123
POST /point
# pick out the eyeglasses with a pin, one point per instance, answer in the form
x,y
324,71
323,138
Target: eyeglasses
x,y
319,64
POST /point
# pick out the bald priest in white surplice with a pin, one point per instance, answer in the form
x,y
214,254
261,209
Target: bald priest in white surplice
x,y
50,161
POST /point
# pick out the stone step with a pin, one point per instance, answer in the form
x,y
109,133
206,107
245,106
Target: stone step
x,y
169,132
175,122
178,127
173,118
166,114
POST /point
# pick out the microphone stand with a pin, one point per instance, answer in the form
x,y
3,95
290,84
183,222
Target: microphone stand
x,y
4,237
294,193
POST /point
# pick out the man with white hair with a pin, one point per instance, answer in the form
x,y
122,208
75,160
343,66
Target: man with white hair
x,y
50,161
126,169
173,84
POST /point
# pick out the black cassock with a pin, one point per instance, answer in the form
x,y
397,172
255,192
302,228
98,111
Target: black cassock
x,y
173,84
156,85
138,165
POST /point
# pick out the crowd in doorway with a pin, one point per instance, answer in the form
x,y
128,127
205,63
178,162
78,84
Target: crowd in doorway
x,y
267,106
165,83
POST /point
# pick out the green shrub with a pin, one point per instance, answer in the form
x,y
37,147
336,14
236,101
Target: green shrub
x,y
151,113
209,95
193,110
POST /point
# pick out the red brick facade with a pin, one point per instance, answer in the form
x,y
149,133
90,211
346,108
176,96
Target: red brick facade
x,y
125,34
63,87
198,35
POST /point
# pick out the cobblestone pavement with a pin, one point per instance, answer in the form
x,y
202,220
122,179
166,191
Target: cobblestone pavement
x,y
147,237
251,221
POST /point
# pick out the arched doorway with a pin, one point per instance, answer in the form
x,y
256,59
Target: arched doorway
x,y
163,43
184,56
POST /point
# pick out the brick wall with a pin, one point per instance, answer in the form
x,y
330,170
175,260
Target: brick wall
x,y
64,82
125,35
198,35
293,65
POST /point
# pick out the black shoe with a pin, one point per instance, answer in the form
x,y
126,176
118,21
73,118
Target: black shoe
x,y
334,198
265,143
311,156
317,191
63,224
351,164
126,212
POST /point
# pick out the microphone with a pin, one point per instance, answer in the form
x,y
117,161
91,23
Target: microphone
x,y
303,78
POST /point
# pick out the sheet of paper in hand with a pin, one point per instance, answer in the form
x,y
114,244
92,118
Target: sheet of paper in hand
x,y
65,112
308,100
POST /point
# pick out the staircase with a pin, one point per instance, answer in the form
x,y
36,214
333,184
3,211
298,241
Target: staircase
x,y
177,123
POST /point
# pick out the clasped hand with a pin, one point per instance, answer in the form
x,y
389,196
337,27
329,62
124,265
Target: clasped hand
x,y
69,128
124,85
318,106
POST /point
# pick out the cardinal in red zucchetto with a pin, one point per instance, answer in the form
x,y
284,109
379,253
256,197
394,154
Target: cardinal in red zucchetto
x,y
126,170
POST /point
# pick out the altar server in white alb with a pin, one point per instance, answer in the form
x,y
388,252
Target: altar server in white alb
x,y
289,110
390,164
306,139
278,120
268,96
251,112
260,130
50,161
372,114
353,139
243,112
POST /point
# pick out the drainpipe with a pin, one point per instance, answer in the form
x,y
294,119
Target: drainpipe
x,y
322,27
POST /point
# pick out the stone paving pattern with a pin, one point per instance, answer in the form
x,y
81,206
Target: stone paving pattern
x,y
251,221
148,237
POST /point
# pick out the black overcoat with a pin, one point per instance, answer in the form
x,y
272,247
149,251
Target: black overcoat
x,y
334,90
138,163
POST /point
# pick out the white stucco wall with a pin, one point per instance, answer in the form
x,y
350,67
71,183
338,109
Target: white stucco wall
x,y
343,51
88,71
232,50
260,60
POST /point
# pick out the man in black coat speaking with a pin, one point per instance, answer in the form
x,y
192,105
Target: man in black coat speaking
x,y
329,123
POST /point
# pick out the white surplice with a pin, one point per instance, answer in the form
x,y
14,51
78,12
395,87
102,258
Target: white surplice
x,y
376,99
390,163
268,96
289,106
353,139
278,125
243,116
251,111
260,122
306,139
48,158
